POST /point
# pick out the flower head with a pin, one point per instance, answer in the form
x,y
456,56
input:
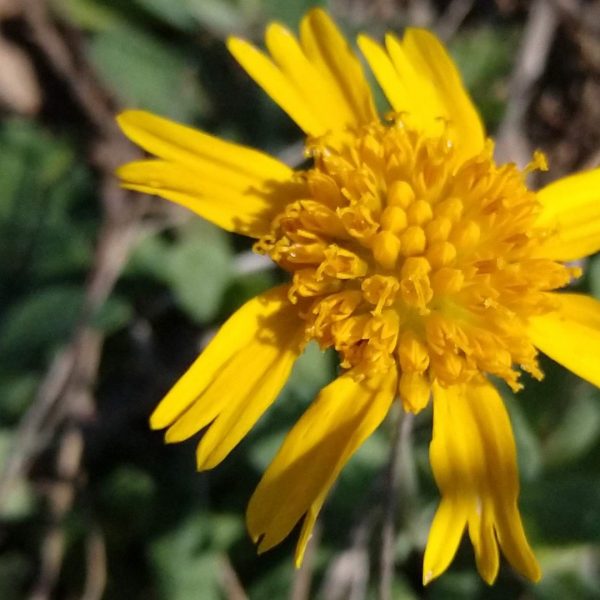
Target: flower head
x,y
426,266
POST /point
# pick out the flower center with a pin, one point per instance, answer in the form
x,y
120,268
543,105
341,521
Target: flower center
x,y
403,257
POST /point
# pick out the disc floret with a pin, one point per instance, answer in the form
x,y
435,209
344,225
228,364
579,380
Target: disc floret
x,y
404,257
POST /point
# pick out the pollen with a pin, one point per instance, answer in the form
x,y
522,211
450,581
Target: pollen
x,y
403,256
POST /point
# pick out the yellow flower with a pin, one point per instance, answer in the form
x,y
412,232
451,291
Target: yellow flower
x,y
426,265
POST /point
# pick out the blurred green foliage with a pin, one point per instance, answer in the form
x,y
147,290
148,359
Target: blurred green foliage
x,y
168,529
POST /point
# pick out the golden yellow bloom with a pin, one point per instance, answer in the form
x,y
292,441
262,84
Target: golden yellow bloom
x,y
426,265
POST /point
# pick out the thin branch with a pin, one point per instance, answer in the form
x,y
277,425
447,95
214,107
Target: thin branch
x,y
388,529
512,143
230,581
64,400
96,572
453,17
348,574
60,498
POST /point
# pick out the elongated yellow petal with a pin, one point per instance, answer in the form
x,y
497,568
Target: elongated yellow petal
x,y
483,538
344,414
457,467
502,478
318,83
327,48
262,370
274,82
422,83
571,211
239,373
247,211
236,188
446,531
571,334
319,91
474,462
394,86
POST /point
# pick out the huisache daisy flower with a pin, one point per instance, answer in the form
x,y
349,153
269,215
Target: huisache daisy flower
x,y
426,265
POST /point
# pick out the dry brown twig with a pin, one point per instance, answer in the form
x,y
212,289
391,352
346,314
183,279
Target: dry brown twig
x,y
65,399
512,143
452,18
230,582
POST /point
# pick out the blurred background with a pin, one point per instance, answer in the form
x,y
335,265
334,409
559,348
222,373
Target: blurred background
x,y
106,297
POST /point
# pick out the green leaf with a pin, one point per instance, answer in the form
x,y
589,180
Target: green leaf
x,y
275,582
87,14
16,393
290,13
199,269
144,72
114,314
42,321
565,507
529,454
186,568
455,585
42,234
177,13
219,16
569,572
226,529
196,266
127,496
577,432
19,501
263,450
484,57
312,371
150,258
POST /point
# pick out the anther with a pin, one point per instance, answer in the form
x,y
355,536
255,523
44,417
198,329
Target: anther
x,y
447,281
413,240
393,219
412,352
438,229
465,235
451,208
386,247
440,254
419,212
400,193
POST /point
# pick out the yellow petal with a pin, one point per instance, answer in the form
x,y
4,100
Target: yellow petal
x,y
571,334
457,466
274,82
318,83
344,414
571,211
236,377
319,91
474,462
422,83
326,47
444,536
483,538
261,371
237,188
502,489
249,211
